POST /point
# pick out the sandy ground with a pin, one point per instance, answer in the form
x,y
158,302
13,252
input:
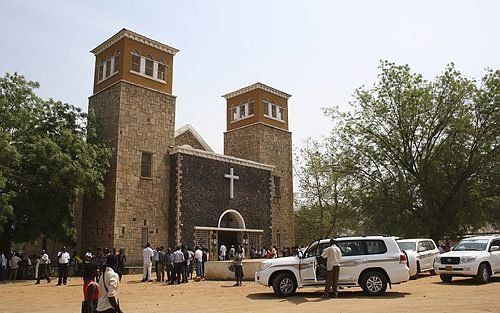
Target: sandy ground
x,y
427,294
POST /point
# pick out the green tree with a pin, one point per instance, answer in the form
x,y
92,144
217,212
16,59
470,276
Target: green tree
x,y
324,206
49,158
424,154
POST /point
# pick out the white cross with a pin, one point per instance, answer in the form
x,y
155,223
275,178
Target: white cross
x,y
232,177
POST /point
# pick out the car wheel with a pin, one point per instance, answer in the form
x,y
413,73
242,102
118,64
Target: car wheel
x,y
284,285
374,283
483,274
446,278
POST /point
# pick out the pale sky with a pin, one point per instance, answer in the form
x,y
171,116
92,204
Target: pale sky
x,y
317,51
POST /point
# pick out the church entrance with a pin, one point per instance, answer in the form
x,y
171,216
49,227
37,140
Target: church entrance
x,y
230,231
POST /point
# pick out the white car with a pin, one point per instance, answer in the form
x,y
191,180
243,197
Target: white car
x,y
421,254
371,262
477,257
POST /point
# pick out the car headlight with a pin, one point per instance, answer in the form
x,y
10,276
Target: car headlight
x,y
264,266
467,259
437,260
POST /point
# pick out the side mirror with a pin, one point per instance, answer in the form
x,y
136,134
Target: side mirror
x,y
494,248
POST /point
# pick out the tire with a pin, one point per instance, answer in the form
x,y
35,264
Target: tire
x,y
284,285
446,278
374,283
483,274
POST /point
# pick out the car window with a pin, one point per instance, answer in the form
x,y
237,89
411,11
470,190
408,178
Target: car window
x,y
375,247
406,245
421,246
429,245
311,250
470,244
495,243
322,247
361,247
350,248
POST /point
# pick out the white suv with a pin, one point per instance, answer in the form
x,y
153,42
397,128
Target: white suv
x,y
477,257
371,262
423,250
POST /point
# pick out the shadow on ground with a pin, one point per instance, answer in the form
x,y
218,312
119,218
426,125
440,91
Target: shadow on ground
x,y
462,281
308,297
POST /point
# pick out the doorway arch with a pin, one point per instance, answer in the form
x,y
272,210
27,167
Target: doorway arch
x,y
231,219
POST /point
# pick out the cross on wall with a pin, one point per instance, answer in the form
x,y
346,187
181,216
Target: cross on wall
x,y
232,177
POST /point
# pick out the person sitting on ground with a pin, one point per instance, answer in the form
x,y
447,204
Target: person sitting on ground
x,y
90,289
108,288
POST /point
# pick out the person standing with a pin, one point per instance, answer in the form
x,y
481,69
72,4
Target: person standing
x,y
3,266
121,263
169,266
43,268
156,259
223,250
185,264
161,264
90,289
205,260
232,252
178,264
238,266
198,259
63,264
147,257
14,266
333,257
108,288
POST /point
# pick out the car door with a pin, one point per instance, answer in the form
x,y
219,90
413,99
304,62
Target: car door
x,y
307,265
495,256
353,260
433,252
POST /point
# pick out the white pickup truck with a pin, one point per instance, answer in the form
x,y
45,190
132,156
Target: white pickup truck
x,y
371,262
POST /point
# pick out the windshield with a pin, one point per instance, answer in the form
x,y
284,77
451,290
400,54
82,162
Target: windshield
x,y
407,245
471,245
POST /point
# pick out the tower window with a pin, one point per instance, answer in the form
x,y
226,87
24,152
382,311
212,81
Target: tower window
x,y
274,111
146,164
136,62
161,71
242,111
277,186
108,67
116,63
149,67
100,71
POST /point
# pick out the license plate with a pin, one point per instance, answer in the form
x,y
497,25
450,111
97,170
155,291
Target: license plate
x,y
449,268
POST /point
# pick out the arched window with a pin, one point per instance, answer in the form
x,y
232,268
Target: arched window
x,y
107,69
116,61
136,61
161,70
251,107
100,71
148,69
265,104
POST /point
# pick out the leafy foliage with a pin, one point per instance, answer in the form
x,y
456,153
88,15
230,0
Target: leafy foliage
x,y
49,158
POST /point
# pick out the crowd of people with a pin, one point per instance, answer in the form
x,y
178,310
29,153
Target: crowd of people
x,y
178,265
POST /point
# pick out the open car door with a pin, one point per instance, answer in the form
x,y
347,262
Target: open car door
x,y
308,263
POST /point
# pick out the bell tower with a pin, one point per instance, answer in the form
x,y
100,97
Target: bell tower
x,y
257,130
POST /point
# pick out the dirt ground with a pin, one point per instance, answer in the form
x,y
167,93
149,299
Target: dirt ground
x,y
427,294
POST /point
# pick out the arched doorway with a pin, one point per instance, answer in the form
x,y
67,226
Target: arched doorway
x,y
229,220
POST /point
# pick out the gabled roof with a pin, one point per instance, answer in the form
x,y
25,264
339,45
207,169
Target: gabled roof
x,y
189,128
125,33
257,86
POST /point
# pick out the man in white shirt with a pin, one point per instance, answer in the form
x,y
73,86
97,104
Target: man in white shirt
x,y
43,268
63,258
223,250
3,266
333,257
198,258
178,264
108,288
147,258
14,266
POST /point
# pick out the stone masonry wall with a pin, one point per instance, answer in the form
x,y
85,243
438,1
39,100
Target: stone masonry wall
x,y
203,195
147,120
134,119
187,138
269,145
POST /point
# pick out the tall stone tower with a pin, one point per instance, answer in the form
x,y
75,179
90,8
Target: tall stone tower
x,y
135,109
257,130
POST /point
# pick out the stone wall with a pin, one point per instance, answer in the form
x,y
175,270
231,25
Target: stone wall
x,y
266,144
187,138
203,195
134,119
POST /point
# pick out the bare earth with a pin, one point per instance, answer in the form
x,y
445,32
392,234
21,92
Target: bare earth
x,y
427,294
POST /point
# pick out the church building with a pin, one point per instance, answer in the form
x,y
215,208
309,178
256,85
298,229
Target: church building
x,y
167,186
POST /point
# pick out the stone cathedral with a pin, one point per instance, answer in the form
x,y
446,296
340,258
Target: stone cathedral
x,y
165,185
